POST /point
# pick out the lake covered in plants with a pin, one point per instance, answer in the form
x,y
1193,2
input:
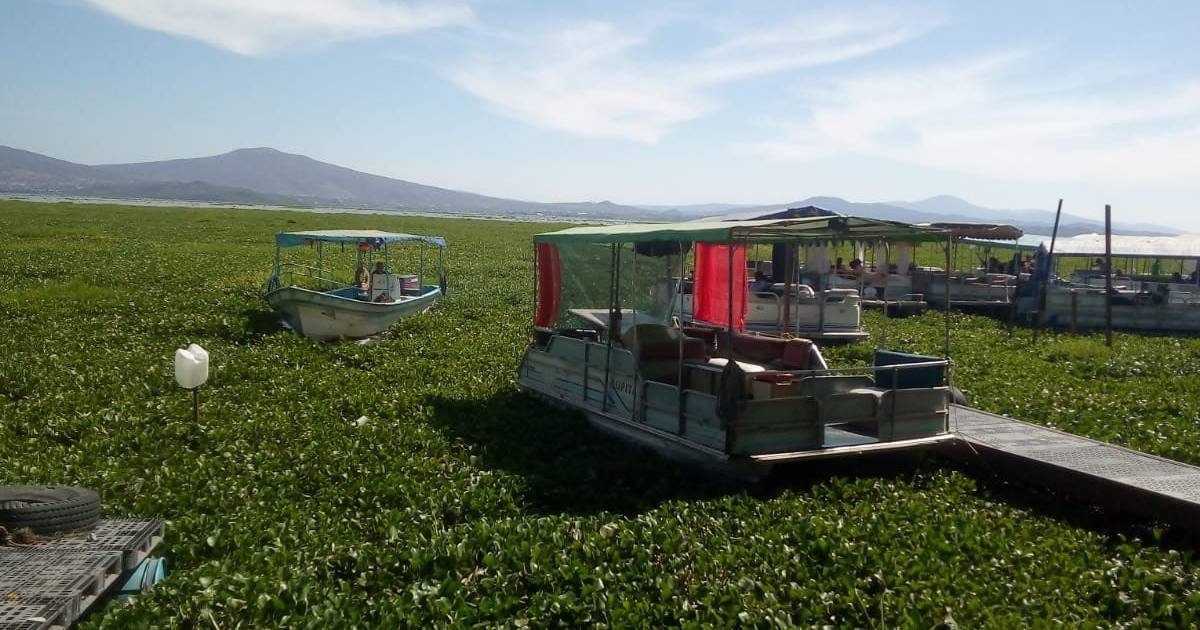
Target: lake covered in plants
x,y
461,502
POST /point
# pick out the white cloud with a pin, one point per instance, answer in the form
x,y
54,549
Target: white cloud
x,y
965,117
257,27
595,79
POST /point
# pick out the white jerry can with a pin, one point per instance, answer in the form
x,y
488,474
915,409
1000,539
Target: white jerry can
x,y
191,366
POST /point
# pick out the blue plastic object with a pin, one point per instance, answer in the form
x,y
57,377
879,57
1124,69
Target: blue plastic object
x,y
151,571
929,376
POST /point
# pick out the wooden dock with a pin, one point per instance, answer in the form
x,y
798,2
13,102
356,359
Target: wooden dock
x,y
1113,477
52,584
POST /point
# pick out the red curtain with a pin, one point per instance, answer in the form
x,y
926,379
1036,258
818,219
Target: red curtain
x,y
710,298
549,285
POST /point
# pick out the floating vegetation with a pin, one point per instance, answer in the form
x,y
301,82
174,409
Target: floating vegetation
x,y
463,502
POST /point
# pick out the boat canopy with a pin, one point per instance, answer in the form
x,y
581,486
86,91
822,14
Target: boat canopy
x,y
814,230
292,239
1123,245
986,231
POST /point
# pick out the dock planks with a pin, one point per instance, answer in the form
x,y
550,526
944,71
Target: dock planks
x,y
1113,477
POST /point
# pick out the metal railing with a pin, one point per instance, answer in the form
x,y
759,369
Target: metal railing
x,y
306,276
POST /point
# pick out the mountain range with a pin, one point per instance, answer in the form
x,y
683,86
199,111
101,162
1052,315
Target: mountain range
x,y
264,176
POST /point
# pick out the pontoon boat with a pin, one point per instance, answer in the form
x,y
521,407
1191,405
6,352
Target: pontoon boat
x,y
608,341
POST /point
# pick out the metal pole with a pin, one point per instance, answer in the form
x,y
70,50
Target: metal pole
x,y
786,322
730,302
1012,306
278,280
1040,315
946,311
612,283
536,297
682,422
1108,271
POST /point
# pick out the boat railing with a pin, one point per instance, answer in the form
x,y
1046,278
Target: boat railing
x,y
307,276
861,369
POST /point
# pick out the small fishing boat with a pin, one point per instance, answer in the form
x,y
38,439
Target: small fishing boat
x,y
313,303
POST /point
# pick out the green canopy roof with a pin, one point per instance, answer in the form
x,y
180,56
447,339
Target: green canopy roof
x,y
290,239
809,229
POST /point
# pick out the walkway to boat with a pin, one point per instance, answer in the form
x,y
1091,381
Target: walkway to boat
x,y
1110,476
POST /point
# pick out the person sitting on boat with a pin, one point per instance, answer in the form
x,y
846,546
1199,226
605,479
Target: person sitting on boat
x,y
761,283
839,267
380,284
361,278
878,280
856,269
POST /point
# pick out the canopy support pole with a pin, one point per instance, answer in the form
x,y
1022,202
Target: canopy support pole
x,y
682,421
1108,275
613,317
946,311
1039,316
535,287
442,269
277,279
785,324
730,302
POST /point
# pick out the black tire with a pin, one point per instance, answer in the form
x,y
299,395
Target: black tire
x,y
957,397
48,509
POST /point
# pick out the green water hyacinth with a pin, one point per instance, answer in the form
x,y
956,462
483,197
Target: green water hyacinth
x,y
463,503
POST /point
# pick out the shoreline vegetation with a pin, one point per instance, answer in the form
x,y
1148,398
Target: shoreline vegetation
x,y
462,502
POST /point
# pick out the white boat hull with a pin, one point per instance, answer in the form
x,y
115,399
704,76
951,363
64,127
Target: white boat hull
x,y
326,317
1068,307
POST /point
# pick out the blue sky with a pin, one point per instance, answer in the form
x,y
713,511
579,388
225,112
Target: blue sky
x,y
1009,105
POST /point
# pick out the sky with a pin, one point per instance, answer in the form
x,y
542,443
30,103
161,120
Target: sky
x,y
1008,105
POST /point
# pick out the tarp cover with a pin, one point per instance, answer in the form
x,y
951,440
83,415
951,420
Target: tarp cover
x,y
292,239
711,292
818,229
1183,246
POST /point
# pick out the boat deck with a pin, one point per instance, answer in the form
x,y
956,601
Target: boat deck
x,y
1113,477
54,583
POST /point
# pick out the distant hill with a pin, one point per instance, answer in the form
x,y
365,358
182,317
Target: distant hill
x,y
268,176
948,208
1034,221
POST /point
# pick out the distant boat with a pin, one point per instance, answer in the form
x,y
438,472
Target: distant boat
x,y
320,307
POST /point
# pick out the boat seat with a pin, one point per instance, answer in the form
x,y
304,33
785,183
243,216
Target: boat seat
x,y
928,376
748,368
657,350
777,352
707,335
898,413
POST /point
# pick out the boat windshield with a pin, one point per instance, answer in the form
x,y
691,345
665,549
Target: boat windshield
x,y
588,288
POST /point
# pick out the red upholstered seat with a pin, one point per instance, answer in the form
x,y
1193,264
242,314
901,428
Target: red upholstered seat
x,y
797,354
791,354
653,342
758,349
